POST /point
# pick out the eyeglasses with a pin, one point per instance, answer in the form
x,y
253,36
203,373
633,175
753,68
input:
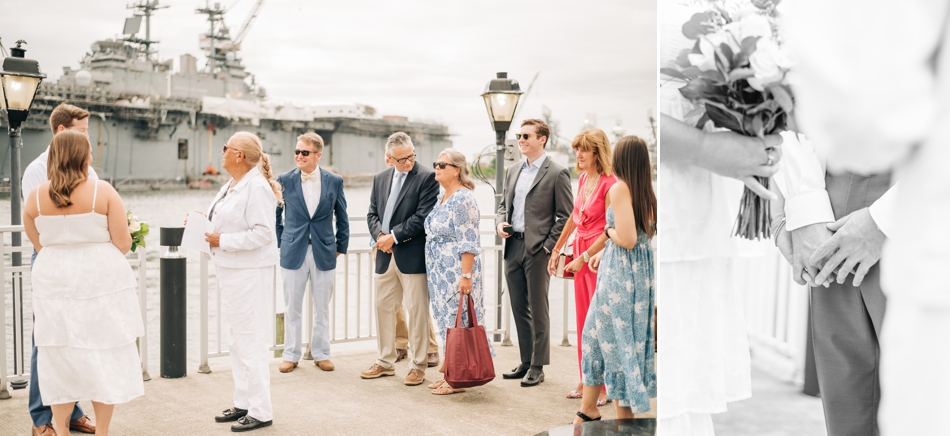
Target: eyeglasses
x,y
225,149
442,165
305,153
411,157
524,136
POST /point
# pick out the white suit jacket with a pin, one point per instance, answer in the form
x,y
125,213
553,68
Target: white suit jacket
x,y
246,221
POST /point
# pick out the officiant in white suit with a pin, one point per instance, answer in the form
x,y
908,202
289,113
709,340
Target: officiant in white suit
x,y
875,88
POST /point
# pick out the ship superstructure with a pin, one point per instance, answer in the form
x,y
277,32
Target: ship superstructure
x,y
159,128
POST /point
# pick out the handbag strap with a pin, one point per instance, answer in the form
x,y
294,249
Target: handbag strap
x,y
471,312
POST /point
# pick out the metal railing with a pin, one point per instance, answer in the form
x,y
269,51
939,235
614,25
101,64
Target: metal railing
x,y
352,306
20,274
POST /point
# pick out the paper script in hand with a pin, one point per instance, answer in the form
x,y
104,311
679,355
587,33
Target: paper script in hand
x,y
194,237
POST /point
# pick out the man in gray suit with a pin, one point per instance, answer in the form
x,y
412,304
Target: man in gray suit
x,y
846,315
535,205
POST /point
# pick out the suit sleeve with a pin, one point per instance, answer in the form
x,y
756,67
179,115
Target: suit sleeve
x,y
373,221
501,215
563,206
415,225
342,220
280,213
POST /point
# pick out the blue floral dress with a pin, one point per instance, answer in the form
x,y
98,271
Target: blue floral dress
x,y
618,333
452,229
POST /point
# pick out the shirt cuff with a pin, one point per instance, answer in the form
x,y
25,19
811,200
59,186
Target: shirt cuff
x,y
882,210
808,208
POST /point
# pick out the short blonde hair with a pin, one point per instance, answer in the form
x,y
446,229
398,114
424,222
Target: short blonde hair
x,y
64,115
249,144
595,140
313,139
458,159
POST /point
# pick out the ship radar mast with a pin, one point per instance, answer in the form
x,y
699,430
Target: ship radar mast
x,y
143,8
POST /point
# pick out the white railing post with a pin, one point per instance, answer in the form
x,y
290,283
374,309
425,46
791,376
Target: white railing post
x,y
143,340
203,367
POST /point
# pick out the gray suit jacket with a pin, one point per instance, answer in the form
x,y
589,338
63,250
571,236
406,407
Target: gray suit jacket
x,y
547,206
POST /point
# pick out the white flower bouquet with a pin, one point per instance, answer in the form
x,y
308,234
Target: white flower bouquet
x,y
736,77
138,229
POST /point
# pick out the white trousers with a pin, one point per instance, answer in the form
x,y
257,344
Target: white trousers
x,y
321,289
246,294
914,369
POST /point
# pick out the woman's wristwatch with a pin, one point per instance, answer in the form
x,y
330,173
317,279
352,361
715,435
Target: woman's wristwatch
x,y
585,256
467,276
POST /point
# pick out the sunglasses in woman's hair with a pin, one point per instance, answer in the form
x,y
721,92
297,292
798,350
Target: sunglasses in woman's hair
x,y
305,153
442,165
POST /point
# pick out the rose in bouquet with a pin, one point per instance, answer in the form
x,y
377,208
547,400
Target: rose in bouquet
x,y
735,74
138,229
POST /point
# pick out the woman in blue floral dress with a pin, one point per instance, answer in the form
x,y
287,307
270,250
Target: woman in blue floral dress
x,y
453,267
618,334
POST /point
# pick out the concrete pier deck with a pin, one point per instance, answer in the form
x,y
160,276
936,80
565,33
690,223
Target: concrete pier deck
x,y
309,401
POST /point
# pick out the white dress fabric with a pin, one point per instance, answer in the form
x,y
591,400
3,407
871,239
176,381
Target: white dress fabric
x,y
703,349
87,313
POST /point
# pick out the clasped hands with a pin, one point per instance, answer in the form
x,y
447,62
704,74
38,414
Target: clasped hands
x,y
385,243
822,252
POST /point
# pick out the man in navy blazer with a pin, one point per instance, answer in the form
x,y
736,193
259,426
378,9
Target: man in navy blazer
x,y
401,199
308,247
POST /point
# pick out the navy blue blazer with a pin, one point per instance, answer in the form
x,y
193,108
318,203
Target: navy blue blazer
x,y
295,227
419,193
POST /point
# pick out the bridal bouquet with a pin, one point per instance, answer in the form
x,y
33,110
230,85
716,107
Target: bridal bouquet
x,y
735,74
138,230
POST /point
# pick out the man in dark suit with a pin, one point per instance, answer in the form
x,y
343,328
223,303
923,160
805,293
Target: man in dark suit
x,y
401,198
536,204
308,247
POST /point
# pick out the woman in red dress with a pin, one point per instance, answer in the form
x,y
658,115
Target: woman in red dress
x,y
592,149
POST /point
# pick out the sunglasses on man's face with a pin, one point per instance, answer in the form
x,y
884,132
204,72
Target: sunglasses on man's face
x,y
305,153
524,136
442,165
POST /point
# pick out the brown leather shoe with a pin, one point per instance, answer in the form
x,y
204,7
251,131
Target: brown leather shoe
x,y
415,377
325,365
287,366
377,371
83,425
432,359
44,430
401,353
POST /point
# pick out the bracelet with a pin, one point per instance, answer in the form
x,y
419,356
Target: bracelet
x,y
777,230
606,230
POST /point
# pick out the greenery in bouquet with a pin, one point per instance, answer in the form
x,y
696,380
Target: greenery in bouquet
x,y
138,229
735,74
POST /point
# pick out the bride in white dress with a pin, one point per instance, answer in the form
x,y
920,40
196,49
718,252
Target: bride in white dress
x,y
84,291
703,355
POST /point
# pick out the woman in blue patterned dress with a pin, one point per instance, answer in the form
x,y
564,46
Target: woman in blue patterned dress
x,y
618,334
452,246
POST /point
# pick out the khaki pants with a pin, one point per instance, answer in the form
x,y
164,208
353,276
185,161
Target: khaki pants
x,y
393,287
402,332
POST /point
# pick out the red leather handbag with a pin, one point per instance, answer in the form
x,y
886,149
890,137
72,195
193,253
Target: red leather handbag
x,y
468,361
562,261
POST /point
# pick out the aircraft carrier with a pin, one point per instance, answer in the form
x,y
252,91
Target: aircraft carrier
x,y
156,128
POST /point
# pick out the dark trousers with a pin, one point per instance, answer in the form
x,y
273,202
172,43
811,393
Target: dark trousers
x,y
528,280
41,414
846,323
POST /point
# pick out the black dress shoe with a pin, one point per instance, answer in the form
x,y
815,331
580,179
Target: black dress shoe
x,y
534,377
518,372
248,423
232,414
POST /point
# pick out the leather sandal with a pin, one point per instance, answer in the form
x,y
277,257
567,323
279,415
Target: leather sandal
x,y
585,417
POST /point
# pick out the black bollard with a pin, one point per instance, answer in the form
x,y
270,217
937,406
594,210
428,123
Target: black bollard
x,y
173,311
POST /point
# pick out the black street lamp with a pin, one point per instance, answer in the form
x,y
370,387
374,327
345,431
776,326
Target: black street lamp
x,y
19,80
501,99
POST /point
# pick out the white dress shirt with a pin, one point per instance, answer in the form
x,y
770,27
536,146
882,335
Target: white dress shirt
x,y
801,179
36,174
311,190
525,179
246,221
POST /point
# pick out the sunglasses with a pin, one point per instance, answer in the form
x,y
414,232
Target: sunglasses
x,y
442,165
524,136
410,157
305,153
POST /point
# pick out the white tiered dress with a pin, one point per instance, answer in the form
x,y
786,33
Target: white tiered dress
x,y
87,314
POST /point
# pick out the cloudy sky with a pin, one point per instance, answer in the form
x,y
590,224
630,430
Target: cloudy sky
x,y
425,59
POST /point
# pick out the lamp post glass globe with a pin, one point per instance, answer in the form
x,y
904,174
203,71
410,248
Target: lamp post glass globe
x,y
501,99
